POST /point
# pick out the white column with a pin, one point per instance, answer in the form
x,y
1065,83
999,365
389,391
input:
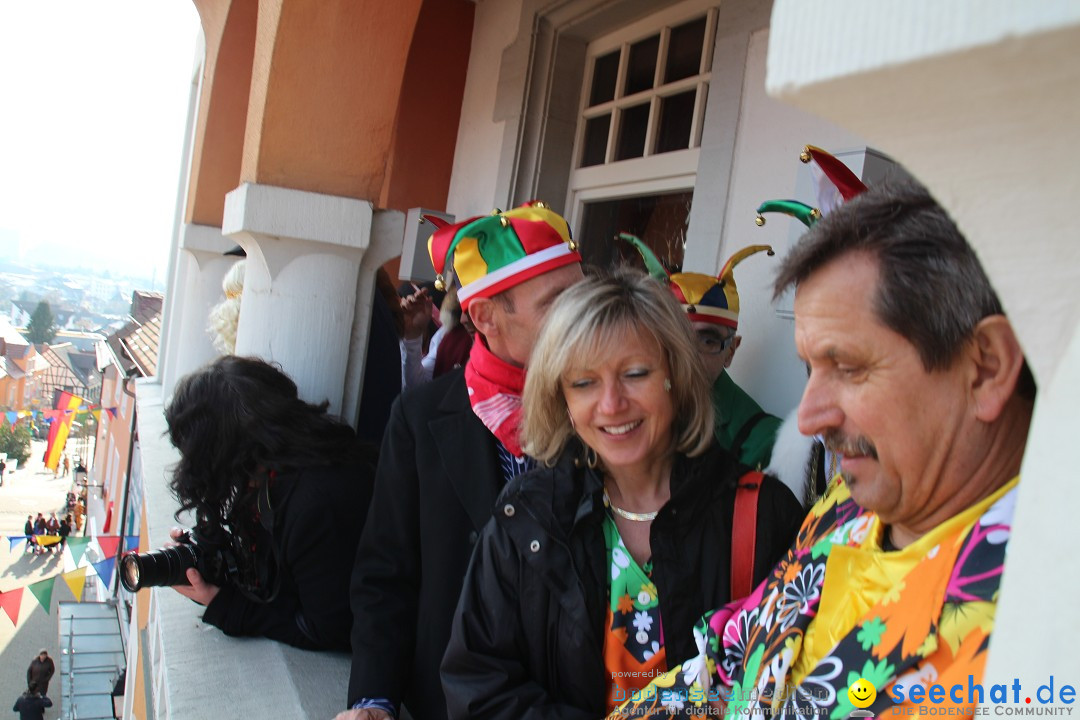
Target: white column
x,y
304,304
200,267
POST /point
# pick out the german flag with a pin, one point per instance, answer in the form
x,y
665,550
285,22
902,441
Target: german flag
x,y
66,404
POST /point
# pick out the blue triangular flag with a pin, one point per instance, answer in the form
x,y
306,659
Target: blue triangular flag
x,y
12,417
104,569
131,542
15,540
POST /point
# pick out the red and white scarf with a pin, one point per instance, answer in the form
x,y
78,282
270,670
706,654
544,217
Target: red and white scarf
x,y
495,390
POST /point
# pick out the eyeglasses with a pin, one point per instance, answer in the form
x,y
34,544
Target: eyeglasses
x,y
713,342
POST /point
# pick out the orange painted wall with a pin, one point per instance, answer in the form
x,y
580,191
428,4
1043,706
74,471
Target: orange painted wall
x,y
426,125
326,82
113,439
229,29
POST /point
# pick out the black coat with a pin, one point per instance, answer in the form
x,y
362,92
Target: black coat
x,y
318,516
528,633
31,707
436,484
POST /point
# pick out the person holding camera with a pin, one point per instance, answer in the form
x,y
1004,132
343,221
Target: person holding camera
x,y
32,703
276,486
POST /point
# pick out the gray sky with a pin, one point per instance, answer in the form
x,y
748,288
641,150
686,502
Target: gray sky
x,y
94,100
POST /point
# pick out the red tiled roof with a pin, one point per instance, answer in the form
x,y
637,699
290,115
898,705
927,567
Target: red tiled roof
x,y
141,345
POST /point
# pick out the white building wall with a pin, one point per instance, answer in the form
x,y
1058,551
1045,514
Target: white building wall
x,y
769,136
473,184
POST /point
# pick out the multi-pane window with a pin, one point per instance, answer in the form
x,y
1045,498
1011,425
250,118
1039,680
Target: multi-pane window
x,y
639,132
647,95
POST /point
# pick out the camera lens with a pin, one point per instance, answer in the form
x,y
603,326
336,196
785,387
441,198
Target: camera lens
x,y
158,568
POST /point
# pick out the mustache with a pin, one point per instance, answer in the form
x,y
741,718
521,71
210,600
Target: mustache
x,y
840,444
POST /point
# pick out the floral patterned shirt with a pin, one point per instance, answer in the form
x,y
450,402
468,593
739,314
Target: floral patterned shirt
x,y
896,621
633,634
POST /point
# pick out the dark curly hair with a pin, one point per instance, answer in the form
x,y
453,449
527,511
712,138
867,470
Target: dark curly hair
x,y
234,422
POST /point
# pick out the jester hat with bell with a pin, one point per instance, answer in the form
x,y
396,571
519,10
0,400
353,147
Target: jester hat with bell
x,y
704,297
492,253
834,182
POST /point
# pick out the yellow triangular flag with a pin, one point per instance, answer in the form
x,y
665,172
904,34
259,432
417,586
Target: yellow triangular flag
x,y
97,415
75,580
46,540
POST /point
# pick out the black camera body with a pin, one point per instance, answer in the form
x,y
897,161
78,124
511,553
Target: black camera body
x,y
168,566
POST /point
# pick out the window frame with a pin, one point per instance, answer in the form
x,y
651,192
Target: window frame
x,y
652,173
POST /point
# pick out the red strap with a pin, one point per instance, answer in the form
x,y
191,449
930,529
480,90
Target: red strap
x,y
744,534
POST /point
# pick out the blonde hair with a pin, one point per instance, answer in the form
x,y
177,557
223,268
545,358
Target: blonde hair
x,y
225,316
584,321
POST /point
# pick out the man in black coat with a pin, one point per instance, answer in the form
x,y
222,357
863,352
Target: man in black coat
x,y
449,448
31,704
41,671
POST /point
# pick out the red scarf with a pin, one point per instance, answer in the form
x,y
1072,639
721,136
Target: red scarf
x,y
495,390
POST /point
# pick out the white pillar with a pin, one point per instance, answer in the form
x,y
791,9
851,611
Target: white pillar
x,y
200,267
303,305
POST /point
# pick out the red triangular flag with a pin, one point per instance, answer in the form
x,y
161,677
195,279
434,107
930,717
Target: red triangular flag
x,y
108,544
10,602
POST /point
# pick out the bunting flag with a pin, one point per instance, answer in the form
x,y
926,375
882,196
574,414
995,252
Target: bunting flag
x,y
10,602
97,415
46,540
78,547
104,569
108,544
16,539
131,542
43,592
111,411
58,433
12,417
76,580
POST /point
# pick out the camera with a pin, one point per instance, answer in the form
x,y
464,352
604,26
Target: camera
x,y
168,566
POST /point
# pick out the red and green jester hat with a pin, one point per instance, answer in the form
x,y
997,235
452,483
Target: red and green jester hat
x,y
492,253
835,184
489,255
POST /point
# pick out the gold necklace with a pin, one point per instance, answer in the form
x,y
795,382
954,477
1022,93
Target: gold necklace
x,y
636,517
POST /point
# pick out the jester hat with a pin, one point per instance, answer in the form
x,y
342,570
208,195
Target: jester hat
x,y
704,297
835,184
492,253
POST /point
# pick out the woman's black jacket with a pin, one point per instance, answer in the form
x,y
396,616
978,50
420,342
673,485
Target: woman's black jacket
x,y
527,639
318,515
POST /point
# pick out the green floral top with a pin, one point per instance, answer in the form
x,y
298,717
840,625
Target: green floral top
x,y
634,635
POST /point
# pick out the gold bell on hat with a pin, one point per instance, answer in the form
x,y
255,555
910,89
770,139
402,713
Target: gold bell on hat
x,y
759,220
805,155
440,283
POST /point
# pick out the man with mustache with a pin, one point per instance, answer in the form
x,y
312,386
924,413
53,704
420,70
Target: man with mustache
x,y
918,381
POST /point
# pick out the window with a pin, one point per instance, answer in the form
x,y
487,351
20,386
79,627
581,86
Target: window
x,y
646,96
639,131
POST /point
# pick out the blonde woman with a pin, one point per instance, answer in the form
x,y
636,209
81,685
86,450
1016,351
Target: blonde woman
x,y
596,567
